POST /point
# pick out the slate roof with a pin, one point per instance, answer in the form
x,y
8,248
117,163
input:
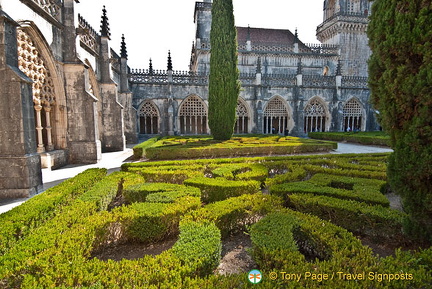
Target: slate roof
x,y
265,36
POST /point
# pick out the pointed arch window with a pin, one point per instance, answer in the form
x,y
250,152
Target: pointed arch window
x,y
242,122
276,116
352,115
32,64
193,116
315,116
149,118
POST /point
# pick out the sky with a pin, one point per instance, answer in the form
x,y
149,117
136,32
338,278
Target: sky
x,y
154,27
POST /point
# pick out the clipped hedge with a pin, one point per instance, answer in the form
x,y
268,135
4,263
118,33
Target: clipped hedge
x,y
273,239
365,190
235,214
167,174
206,147
17,223
218,189
367,138
374,221
103,193
158,192
139,150
199,247
148,222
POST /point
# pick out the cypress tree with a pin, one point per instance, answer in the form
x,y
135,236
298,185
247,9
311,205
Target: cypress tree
x,y
224,86
400,78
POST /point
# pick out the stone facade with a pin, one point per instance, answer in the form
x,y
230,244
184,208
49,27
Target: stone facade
x,y
67,96
62,98
288,87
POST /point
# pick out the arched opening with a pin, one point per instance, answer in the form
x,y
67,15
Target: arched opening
x,y
34,65
148,118
315,116
276,117
352,115
193,116
242,122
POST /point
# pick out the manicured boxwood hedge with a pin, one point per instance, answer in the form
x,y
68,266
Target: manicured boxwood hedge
x,y
367,138
158,192
359,189
19,222
59,252
206,147
375,221
218,189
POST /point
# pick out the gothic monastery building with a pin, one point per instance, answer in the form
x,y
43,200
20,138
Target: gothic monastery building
x,y
67,96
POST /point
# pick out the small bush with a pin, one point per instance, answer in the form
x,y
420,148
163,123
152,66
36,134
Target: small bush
x,y
139,150
199,246
375,221
158,192
218,189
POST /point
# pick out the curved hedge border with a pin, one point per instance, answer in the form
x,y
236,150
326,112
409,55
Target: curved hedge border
x,y
366,138
218,189
374,221
17,223
359,189
158,192
58,253
206,147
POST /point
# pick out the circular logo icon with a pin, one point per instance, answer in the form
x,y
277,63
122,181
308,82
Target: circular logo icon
x,y
255,276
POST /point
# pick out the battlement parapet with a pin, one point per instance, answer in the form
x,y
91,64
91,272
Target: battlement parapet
x,y
354,82
51,10
88,36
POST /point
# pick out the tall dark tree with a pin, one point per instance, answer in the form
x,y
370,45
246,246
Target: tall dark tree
x,y
400,77
224,86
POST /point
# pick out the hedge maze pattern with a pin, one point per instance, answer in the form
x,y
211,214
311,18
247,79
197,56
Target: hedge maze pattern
x,y
302,213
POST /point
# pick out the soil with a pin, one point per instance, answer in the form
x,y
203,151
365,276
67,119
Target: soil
x,y
132,251
235,256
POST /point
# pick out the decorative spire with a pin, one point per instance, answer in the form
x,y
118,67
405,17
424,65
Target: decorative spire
x,y
299,66
105,31
248,34
150,67
170,67
123,52
258,70
339,68
296,36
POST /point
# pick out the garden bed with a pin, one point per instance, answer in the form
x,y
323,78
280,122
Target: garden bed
x,y
145,228
193,147
378,138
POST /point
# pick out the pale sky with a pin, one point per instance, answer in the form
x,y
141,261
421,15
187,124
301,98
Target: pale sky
x,y
151,28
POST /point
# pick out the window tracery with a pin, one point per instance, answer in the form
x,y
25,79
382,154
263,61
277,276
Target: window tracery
x,y
352,115
193,116
149,118
276,117
315,116
242,122
32,64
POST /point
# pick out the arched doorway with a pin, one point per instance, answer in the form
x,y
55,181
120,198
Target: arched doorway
x,y
315,116
242,122
276,116
148,118
352,115
193,116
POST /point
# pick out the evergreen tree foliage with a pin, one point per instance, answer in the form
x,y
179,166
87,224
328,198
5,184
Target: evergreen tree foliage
x,y
400,78
224,86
